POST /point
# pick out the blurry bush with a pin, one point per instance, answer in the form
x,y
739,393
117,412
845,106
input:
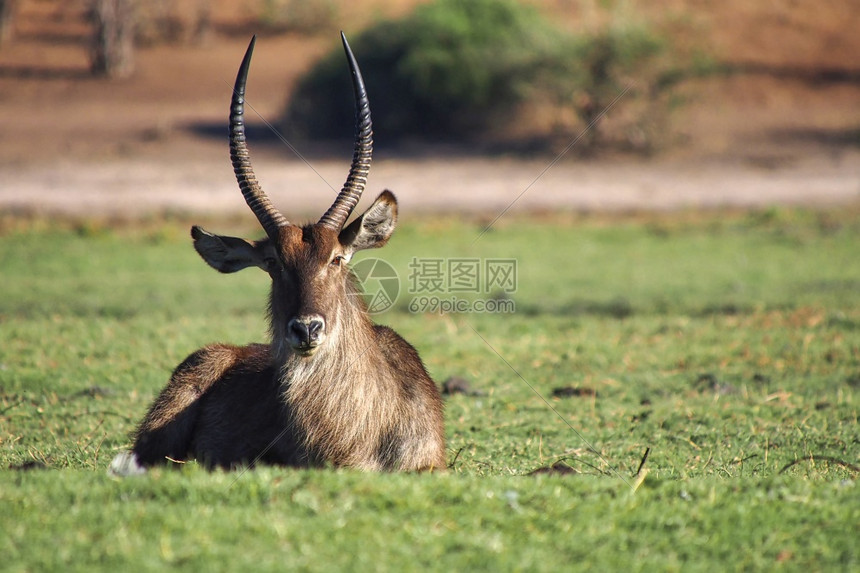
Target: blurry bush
x,y
490,70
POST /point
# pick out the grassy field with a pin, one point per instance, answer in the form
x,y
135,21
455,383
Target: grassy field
x,y
727,345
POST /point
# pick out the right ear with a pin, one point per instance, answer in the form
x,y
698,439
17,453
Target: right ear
x,y
231,254
374,227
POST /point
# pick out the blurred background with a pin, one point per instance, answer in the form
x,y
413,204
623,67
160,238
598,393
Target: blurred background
x,y
119,108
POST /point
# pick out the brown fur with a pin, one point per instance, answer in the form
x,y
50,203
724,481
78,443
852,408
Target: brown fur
x,y
332,387
363,399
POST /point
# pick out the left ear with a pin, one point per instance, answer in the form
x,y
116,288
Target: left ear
x,y
374,227
231,254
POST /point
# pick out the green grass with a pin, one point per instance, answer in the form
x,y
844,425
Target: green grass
x,y
727,343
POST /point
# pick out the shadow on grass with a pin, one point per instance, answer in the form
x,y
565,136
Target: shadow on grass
x,y
33,310
47,73
829,137
621,308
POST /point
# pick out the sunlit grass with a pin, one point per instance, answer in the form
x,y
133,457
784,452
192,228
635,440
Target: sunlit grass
x,y
726,344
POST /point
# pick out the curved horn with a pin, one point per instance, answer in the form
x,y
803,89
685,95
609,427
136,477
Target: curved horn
x,y
349,195
269,217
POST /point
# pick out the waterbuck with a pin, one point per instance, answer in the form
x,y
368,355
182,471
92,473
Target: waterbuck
x,y
331,387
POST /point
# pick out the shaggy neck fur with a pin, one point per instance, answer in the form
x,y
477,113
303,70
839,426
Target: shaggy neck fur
x,y
339,397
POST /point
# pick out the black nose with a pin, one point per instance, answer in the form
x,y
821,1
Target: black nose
x,y
308,331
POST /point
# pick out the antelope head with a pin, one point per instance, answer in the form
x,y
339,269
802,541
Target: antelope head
x,y
311,283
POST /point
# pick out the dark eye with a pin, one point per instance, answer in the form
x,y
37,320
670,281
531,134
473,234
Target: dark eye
x,y
271,263
338,260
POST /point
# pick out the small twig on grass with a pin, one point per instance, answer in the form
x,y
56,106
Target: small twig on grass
x,y
11,406
39,457
585,463
642,463
456,456
814,458
93,439
558,468
98,450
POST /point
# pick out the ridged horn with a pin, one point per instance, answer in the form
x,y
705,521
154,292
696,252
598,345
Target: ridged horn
x,y
269,217
349,195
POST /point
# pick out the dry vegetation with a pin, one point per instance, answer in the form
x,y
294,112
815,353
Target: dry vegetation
x,y
802,80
